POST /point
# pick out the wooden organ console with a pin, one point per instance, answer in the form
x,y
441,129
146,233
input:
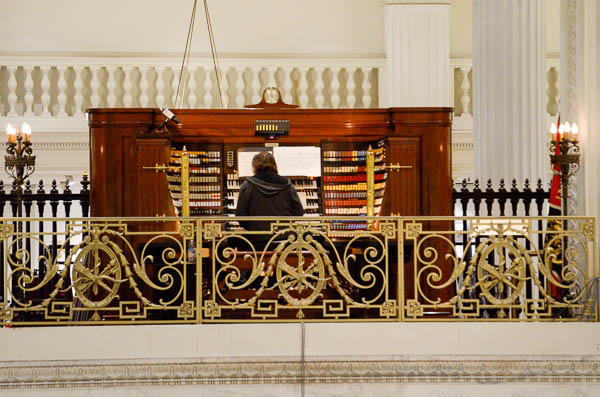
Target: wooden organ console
x,y
124,141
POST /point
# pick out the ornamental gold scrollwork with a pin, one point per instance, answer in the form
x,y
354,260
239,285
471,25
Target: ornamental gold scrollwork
x,y
110,271
302,265
498,262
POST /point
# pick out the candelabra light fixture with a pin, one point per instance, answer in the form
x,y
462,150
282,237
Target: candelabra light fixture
x,y
19,161
564,156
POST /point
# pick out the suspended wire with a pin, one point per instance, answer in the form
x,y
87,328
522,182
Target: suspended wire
x,y
213,49
186,56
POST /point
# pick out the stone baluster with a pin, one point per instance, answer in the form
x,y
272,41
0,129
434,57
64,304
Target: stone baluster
x,y
95,87
303,87
366,87
45,86
271,73
127,86
465,85
28,111
225,84
61,97
160,87
78,87
192,99
240,98
12,90
144,86
288,85
174,85
208,87
111,86
548,91
255,85
335,88
351,88
319,86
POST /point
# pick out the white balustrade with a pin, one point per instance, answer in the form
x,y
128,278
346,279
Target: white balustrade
x,y
127,86
225,82
160,87
319,86
95,87
174,85
64,87
271,72
288,85
335,88
366,88
192,86
45,85
111,86
303,87
465,97
351,87
208,87
144,86
255,85
78,95
12,91
28,91
239,88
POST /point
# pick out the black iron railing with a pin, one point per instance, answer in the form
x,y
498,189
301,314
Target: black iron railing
x,y
471,200
48,204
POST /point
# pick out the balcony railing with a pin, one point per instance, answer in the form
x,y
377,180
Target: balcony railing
x,y
199,270
64,87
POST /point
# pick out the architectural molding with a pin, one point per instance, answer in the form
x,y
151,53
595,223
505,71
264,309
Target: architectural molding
x,y
415,2
68,375
51,145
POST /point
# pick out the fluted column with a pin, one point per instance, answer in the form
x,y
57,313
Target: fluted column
x,y
508,89
417,47
580,95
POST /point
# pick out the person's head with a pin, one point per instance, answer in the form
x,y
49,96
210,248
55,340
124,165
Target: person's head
x,y
264,161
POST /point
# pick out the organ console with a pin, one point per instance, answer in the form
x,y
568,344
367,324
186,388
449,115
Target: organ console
x,y
415,142
124,141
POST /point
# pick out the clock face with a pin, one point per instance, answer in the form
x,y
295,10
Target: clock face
x,y
271,95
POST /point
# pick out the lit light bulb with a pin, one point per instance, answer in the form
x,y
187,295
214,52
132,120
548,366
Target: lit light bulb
x,y
26,128
553,131
12,132
574,132
567,130
561,131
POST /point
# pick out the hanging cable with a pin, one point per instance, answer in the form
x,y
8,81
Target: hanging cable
x,y
186,57
213,49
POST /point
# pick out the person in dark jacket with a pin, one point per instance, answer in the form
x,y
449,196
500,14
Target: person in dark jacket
x,y
266,194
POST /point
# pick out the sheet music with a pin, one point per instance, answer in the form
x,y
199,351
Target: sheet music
x,y
291,160
298,160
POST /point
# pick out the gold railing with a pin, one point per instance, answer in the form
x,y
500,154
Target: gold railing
x,y
197,270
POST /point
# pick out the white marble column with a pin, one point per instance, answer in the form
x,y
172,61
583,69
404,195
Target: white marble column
x,y
508,89
580,94
417,47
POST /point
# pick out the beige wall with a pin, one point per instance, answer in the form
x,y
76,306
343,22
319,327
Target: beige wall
x,y
262,27
276,27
